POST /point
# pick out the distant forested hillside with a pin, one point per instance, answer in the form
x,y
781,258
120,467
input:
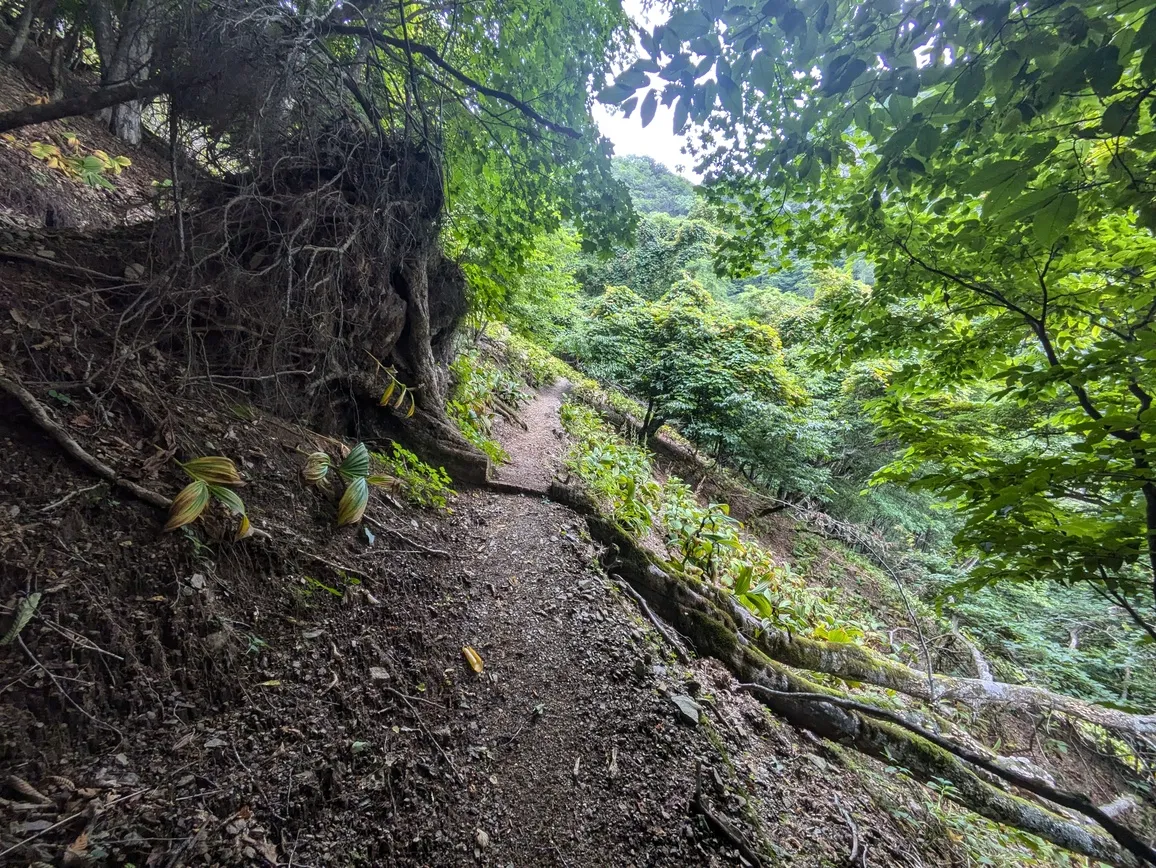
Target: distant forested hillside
x,y
653,187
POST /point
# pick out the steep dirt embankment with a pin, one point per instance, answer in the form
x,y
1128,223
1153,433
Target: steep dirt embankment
x,y
304,700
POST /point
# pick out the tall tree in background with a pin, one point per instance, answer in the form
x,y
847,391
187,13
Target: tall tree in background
x,y
996,163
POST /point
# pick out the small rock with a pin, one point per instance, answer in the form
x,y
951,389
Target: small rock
x,y
481,839
817,761
215,742
134,271
688,709
45,253
378,673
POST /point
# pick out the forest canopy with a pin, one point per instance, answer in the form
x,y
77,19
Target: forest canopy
x,y
994,166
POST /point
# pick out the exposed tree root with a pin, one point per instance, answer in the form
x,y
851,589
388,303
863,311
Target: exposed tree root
x,y
713,625
856,663
10,384
1075,801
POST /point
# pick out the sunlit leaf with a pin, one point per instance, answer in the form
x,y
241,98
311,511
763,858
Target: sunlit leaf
x,y
214,469
228,498
473,659
384,402
356,463
316,467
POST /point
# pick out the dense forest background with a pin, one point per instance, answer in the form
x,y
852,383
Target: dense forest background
x,y
751,371
905,326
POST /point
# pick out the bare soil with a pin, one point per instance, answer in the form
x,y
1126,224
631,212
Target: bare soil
x,y
183,700
535,447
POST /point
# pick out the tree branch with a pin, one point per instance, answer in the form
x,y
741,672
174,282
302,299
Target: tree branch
x,y
431,54
83,104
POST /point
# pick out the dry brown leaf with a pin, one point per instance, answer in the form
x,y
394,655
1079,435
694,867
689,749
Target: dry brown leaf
x,y
473,658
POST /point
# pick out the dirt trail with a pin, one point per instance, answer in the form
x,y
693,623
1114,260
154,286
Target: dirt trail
x,y
536,450
316,709
595,762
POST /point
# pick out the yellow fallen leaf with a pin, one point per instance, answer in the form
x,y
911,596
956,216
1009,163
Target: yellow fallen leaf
x,y
473,658
274,682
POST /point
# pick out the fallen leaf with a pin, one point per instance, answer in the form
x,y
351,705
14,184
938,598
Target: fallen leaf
x,y
473,658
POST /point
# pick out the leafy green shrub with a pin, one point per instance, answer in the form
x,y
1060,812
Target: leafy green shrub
x,y
423,484
537,366
616,471
707,544
703,541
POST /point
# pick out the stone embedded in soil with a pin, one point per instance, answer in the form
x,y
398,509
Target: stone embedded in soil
x,y
377,673
688,709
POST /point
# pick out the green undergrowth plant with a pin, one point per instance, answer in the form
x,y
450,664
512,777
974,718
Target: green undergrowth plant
x,y
354,473
422,484
707,543
537,366
70,158
479,388
213,479
703,542
618,472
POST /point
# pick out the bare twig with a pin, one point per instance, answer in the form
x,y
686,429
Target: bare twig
x,y
66,266
425,550
68,497
333,565
675,644
718,825
425,729
56,681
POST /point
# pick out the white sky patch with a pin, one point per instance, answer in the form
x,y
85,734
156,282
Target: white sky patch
x,y
657,140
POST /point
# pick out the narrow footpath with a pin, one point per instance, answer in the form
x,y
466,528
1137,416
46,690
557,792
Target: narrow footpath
x,y
597,745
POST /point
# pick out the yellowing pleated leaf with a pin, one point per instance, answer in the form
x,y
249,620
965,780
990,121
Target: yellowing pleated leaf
x,y
215,469
388,394
356,463
412,407
400,398
245,530
317,465
352,505
188,505
473,658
